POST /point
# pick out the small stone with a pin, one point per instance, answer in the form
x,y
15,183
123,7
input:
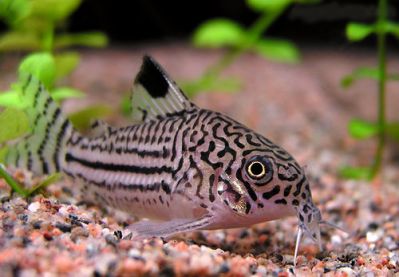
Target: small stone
x,y
4,198
374,236
135,254
277,258
48,236
34,207
78,232
23,217
64,227
37,224
224,268
349,271
111,239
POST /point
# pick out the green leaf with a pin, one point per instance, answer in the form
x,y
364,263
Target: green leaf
x,y
91,39
51,179
358,31
54,10
83,118
14,10
361,129
278,50
40,65
218,33
11,99
14,123
392,129
65,63
358,173
360,73
16,41
59,94
11,181
268,5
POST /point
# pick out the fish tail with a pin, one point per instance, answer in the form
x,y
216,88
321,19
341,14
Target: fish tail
x,y
42,150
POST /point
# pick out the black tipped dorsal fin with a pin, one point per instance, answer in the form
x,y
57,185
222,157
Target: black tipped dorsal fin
x,y
155,94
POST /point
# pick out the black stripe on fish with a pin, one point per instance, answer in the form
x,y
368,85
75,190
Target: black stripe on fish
x,y
118,167
269,194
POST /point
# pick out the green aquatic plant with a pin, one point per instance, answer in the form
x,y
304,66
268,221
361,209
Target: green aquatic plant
x,y
34,25
226,33
380,129
37,25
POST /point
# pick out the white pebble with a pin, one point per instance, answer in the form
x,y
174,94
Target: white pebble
x,y
373,236
105,232
347,270
33,207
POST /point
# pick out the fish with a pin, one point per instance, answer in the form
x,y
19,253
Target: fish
x,y
178,167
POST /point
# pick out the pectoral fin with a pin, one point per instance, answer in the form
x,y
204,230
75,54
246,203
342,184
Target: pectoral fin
x,y
152,228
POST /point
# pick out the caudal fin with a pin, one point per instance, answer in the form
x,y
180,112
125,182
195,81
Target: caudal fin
x,y
42,151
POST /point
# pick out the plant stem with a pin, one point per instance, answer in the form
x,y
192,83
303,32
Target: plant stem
x,y
254,34
381,37
10,180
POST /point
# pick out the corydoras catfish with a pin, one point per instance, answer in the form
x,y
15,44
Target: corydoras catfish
x,y
181,167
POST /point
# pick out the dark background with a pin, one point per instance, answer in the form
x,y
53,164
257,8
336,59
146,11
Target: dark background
x,y
138,21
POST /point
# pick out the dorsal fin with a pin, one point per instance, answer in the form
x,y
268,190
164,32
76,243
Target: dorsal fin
x,y
155,94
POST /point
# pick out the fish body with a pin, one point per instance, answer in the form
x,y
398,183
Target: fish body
x,y
182,167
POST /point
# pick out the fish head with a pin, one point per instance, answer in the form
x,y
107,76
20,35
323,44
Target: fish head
x,y
266,183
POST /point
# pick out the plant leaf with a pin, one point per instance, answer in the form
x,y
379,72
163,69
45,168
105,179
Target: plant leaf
x,y
218,33
268,5
90,39
59,94
358,31
361,129
82,119
278,50
392,129
54,10
51,179
14,123
358,173
360,73
40,65
65,63
11,99
15,41
14,10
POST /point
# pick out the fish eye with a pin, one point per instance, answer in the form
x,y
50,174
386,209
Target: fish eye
x,y
256,169
259,170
